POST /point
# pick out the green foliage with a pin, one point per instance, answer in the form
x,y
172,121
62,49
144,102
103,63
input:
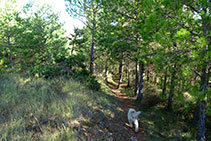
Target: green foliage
x,y
183,33
62,66
88,79
36,39
92,83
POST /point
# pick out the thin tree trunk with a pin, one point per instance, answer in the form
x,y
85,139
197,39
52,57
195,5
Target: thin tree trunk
x,y
148,75
92,54
164,83
106,71
93,43
161,82
72,49
141,83
128,76
136,80
120,74
171,93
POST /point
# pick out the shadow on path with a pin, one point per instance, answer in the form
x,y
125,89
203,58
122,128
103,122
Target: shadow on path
x,y
120,129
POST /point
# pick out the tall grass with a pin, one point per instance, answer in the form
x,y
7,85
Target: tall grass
x,y
44,109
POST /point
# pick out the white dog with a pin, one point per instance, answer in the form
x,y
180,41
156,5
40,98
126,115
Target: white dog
x,y
133,118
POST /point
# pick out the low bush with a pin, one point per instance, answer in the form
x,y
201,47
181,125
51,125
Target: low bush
x,y
92,83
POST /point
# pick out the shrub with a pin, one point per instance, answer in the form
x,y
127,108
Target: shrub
x,y
92,83
86,77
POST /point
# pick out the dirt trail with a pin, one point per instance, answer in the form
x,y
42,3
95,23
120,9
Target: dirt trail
x,y
115,128
120,129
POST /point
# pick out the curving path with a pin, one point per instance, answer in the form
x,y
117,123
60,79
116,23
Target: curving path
x,y
120,129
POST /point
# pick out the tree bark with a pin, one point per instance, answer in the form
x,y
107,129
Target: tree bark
x,y
171,93
202,106
120,74
141,83
136,80
201,123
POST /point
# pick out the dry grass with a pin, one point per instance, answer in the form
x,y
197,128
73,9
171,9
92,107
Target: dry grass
x,y
40,109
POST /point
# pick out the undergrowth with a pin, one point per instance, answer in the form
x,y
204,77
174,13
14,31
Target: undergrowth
x,y
160,123
44,109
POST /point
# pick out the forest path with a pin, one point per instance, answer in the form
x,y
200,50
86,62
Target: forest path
x,y
111,128
120,129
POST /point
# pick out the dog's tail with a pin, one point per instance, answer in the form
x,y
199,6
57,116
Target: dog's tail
x,y
138,113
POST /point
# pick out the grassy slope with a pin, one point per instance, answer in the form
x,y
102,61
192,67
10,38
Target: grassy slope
x,y
46,109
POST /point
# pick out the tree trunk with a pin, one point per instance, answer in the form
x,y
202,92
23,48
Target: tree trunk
x,y
148,75
93,42
171,93
91,68
128,76
120,74
164,83
141,85
72,49
106,71
202,105
201,123
136,80
161,82
204,85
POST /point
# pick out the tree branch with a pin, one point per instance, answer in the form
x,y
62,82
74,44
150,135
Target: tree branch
x,y
197,73
194,9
